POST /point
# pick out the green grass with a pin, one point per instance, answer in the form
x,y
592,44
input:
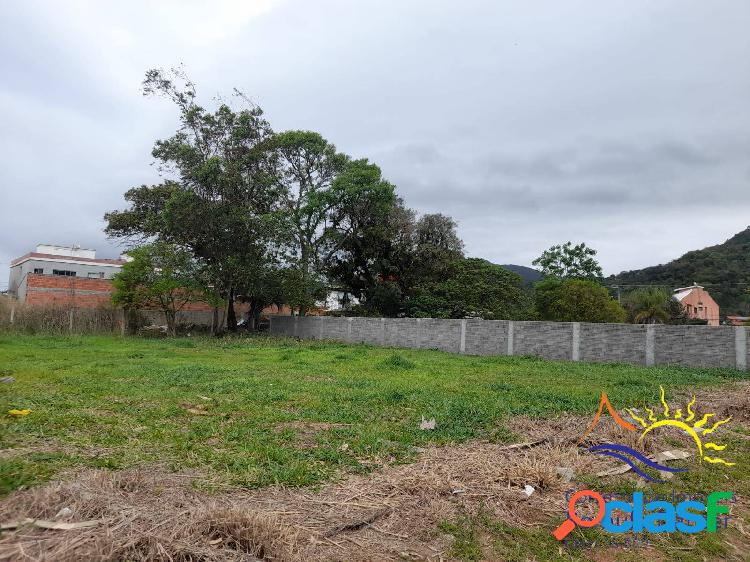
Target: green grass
x,y
106,401
116,403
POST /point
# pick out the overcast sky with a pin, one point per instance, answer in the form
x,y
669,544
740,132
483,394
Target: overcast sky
x,y
624,124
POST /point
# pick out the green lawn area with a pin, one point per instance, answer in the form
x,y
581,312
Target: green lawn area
x,y
233,406
111,402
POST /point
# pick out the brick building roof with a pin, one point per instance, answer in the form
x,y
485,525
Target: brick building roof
x,y
37,255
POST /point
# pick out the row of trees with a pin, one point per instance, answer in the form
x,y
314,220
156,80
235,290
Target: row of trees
x,y
249,214
571,291
268,218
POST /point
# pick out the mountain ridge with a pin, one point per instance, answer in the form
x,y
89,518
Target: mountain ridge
x,y
723,269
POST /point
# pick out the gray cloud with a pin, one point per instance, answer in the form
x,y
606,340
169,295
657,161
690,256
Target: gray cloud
x,y
530,124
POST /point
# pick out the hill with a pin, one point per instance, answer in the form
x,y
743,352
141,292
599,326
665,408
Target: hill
x,y
723,269
528,274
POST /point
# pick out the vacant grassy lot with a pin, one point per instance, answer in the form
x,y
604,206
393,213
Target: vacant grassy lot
x,y
261,411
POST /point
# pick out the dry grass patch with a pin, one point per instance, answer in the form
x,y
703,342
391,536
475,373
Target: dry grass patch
x,y
150,515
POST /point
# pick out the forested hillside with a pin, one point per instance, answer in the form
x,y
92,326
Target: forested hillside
x,y
723,269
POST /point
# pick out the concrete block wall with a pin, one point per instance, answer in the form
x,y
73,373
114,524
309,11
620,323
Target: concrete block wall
x,y
695,346
550,340
613,343
486,337
699,346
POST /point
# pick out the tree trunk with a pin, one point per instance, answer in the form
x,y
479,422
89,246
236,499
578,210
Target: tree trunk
x,y
214,321
231,315
171,323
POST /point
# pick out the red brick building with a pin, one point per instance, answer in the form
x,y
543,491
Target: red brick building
x,y
71,276
63,276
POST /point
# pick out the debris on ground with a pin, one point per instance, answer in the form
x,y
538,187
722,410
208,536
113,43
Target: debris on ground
x,y
528,490
64,513
19,413
7,379
43,524
527,445
151,514
427,424
566,473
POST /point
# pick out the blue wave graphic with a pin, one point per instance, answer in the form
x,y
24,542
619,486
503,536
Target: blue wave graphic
x,y
610,448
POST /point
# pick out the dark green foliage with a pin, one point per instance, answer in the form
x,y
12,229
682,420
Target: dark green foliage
x,y
576,300
402,255
472,288
650,306
723,269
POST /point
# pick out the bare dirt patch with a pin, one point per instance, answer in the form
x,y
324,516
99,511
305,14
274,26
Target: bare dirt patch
x,y
306,432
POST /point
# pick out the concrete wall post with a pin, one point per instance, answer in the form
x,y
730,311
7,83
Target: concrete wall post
x,y
462,345
511,325
740,347
650,343
576,352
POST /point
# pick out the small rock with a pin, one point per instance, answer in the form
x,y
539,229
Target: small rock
x,y
528,490
64,513
343,447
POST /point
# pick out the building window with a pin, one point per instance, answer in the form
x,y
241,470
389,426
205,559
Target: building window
x,y
65,272
96,275
38,271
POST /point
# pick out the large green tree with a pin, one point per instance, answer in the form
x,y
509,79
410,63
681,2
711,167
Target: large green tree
x,y
361,229
415,252
221,201
576,300
473,288
306,166
569,261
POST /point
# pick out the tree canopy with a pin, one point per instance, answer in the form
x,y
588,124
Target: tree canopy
x,y
159,276
569,261
576,300
473,288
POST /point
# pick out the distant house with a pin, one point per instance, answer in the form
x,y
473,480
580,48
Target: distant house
x,y
71,276
62,275
698,303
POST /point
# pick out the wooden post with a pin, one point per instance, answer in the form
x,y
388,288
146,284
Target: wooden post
x,y
70,321
123,321
12,314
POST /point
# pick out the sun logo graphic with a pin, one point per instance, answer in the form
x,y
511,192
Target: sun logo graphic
x,y
697,429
